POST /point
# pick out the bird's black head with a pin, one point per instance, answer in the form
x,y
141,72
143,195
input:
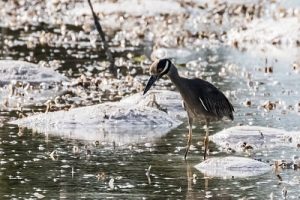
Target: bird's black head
x,y
163,67
157,70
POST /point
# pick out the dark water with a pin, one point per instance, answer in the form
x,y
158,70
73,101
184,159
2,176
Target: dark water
x,y
82,169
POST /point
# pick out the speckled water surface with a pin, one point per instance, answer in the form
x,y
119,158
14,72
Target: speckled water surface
x,y
262,82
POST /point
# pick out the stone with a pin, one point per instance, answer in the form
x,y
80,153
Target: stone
x,y
132,120
232,167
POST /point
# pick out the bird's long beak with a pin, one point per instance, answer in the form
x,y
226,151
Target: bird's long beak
x,y
151,81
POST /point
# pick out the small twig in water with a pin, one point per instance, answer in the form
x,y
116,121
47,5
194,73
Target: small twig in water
x,y
148,174
108,53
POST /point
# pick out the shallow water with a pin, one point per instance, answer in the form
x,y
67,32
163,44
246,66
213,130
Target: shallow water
x,y
84,169
26,168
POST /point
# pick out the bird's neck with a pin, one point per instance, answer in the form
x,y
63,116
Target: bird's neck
x,y
174,76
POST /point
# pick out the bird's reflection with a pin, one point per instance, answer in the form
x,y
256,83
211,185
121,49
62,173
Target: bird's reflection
x,y
192,192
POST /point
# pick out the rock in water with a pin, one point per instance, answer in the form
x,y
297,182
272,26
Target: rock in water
x,y
129,121
232,167
167,101
15,70
23,84
241,138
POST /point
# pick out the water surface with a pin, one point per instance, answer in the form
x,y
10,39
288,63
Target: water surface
x,y
86,169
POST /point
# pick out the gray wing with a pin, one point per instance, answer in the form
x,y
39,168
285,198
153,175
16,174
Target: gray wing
x,y
212,99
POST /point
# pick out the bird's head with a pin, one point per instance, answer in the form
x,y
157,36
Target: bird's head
x,y
157,70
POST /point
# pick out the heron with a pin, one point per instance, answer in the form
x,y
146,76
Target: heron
x,y
201,99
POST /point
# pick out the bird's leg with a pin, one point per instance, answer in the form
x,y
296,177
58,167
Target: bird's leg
x,y
189,141
206,139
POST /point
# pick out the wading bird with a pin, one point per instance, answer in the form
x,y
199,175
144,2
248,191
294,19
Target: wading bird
x,y
201,99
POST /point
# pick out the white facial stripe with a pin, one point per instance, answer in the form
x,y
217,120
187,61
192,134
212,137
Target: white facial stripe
x,y
166,67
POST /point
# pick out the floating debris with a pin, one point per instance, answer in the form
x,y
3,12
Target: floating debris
x,y
101,176
54,155
247,103
194,178
111,183
268,105
38,195
268,69
246,147
148,175
284,192
296,161
296,66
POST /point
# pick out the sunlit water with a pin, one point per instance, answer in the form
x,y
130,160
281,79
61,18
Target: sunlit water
x,y
81,169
